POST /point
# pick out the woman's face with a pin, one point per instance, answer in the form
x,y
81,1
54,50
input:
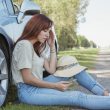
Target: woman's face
x,y
43,35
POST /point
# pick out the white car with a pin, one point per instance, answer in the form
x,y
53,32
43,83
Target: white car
x,y
13,18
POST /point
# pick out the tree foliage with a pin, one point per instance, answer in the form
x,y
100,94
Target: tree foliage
x,y
65,14
93,44
84,42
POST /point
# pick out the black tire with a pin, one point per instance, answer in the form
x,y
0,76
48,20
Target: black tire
x,y
4,72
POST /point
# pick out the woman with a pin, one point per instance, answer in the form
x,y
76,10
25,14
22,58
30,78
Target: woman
x,y
28,65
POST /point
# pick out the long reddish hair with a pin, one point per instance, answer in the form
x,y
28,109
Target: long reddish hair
x,y
32,29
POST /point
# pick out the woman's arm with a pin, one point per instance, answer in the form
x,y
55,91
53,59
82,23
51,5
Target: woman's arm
x,y
28,78
50,65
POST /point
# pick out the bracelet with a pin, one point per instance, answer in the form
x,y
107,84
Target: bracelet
x,y
52,52
52,49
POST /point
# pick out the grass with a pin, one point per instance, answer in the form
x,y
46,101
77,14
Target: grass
x,y
31,107
85,57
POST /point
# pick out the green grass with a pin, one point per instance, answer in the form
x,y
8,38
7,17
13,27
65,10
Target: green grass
x,y
85,57
30,107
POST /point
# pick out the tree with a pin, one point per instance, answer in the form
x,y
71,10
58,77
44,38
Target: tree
x,y
93,44
64,13
83,41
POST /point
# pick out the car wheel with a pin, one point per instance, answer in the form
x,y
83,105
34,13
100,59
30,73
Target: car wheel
x,y
4,73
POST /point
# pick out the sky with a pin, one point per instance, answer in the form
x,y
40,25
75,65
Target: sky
x,y
97,24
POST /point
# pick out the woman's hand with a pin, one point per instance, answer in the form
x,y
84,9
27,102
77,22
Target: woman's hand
x,y
51,40
63,85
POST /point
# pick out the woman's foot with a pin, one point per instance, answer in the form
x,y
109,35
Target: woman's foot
x,y
106,93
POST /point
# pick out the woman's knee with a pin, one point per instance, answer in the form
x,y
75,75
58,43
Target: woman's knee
x,y
82,73
79,98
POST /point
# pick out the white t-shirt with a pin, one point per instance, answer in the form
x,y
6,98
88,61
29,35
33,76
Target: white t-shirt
x,y
24,56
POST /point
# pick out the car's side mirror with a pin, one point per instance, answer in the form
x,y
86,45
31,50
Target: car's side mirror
x,y
28,7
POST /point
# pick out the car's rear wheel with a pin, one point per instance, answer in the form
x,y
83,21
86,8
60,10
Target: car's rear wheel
x,y
4,73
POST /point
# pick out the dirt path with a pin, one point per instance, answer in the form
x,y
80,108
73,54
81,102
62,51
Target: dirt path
x,y
103,60
102,68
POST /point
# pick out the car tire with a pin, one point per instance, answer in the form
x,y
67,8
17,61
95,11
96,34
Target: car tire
x,y
4,72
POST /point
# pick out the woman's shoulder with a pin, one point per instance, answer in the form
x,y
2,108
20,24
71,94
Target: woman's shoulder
x,y
23,44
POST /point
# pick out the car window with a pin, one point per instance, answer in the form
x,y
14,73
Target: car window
x,y
17,2
3,8
17,5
